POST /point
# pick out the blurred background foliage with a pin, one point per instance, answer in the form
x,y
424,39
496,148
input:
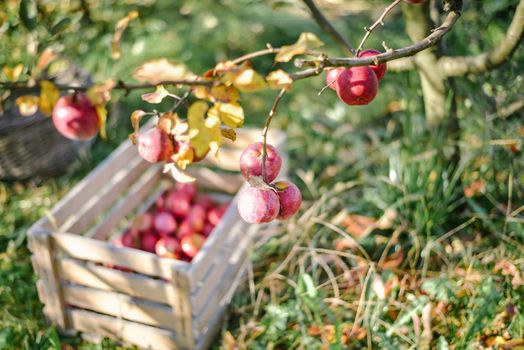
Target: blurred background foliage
x,y
390,233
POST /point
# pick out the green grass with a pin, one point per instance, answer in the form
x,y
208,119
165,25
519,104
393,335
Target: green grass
x,y
429,276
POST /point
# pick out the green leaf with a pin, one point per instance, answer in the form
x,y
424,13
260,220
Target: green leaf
x,y
28,12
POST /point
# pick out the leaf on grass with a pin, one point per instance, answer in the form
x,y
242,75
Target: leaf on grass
x,y
101,111
231,114
27,105
49,95
157,71
359,226
100,94
120,27
392,261
248,80
204,132
12,74
509,269
279,79
136,117
306,41
474,188
178,174
157,96
229,133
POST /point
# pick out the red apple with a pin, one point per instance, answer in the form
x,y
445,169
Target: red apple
x,y
205,201
332,76
164,223
143,222
128,239
190,189
379,70
357,85
208,228
290,199
258,205
215,214
148,241
75,117
184,229
154,145
168,247
197,217
178,203
251,162
191,244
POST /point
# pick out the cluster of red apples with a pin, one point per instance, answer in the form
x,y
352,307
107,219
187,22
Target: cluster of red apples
x,y
177,225
357,86
263,201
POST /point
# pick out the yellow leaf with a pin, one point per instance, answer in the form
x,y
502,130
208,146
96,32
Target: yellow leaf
x,y
306,41
12,74
178,174
27,105
49,94
157,96
231,114
184,155
119,30
201,92
229,134
136,116
249,81
279,79
100,94
204,132
101,111
157,71
222,93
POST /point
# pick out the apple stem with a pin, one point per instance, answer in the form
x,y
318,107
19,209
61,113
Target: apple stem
x,y
266,128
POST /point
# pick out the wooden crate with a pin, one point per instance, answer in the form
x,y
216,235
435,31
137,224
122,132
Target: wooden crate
x,y
163,303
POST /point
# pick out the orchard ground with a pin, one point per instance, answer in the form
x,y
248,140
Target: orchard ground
x,y
393,248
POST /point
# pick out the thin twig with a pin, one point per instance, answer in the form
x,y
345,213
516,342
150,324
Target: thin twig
x,y
181,100
266,128
327,27
246,57
23,85
379,21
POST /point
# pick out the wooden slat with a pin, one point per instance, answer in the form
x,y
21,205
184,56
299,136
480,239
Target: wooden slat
x,y
81,193
216,180
147,337
83,248
206,256
208,335
182,307
105,196
91,275
120,306
48,286
235,243
135,196
222,294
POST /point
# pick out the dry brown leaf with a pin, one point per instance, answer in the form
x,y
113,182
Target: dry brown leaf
x,y
47,56
136,117
392,261
306,41
161,70
359,226
279,79
475,187
12,74
119,31
100,94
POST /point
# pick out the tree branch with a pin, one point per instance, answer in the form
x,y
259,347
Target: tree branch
x,y
379,21
389,55
462,65
327,27
24,87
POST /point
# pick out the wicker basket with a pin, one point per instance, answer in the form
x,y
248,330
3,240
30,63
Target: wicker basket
x,y
31,146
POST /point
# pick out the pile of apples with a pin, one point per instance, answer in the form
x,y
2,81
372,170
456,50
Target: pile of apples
x,y
177,225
